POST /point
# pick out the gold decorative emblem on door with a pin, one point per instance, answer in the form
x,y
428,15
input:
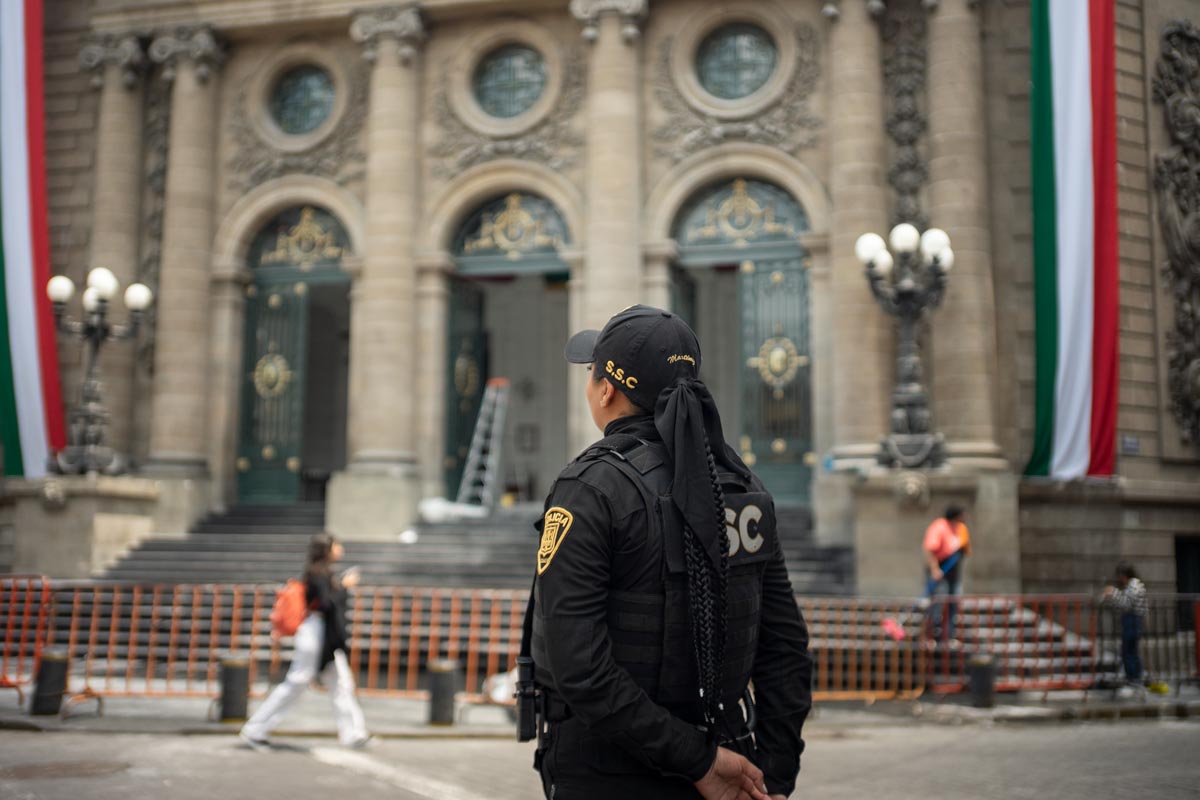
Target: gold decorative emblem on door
x,y
272,375
777,362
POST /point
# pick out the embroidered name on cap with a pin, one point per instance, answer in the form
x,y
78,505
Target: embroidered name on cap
x,y
558,522
681,357
618,375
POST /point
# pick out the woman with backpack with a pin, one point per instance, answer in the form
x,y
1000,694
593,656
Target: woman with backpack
x,y
320,641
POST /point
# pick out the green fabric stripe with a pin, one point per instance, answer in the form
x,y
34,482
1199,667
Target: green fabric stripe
x,y
10,434
1045,240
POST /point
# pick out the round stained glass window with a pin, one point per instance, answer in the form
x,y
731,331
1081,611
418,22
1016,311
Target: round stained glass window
x,y
509,80
302,99
735,61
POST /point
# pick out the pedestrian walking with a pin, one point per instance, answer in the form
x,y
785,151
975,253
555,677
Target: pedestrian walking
x,y
1127,594
947,543
661,593
320,642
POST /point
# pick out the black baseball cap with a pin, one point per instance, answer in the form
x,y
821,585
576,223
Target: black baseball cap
x,y
641,351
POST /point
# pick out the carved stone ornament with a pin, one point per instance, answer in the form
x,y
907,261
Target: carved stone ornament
x,y
552,141
589,12
788,123
157,118
904,76
400,23
195,43
1177,184
255,161
124,51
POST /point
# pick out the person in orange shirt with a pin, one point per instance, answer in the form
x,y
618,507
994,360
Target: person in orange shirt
x,y
947,543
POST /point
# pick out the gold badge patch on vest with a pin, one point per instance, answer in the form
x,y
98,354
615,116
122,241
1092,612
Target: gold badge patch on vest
x,y
554,530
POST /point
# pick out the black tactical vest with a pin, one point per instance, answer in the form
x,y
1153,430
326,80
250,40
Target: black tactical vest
x,y
650,629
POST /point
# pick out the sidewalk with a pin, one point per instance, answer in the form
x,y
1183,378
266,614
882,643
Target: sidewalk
x,y
403,718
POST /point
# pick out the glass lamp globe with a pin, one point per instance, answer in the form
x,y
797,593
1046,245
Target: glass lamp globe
x,y
104,282
868,247
138,297
883,263
60,288
904,238
933,242
945,260
91,299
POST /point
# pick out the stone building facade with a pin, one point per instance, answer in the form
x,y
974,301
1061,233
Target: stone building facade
x,y
354,216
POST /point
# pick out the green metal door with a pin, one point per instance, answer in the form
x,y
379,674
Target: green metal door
x,y
776,391
468,372
272,421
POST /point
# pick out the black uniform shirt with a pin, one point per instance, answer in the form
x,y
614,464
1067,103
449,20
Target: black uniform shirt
x,y
600,546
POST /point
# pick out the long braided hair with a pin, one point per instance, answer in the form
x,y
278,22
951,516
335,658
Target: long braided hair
x,y
707,586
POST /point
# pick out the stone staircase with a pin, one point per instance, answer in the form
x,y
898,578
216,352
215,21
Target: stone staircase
x,y
267,544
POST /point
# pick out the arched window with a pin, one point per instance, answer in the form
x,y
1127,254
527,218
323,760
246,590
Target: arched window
x,y
303,237
517,232
740,212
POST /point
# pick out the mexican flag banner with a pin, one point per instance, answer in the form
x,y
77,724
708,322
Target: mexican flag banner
x,y
31,420
1075,237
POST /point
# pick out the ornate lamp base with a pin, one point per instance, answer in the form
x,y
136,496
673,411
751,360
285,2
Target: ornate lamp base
x,y
80,460
911,450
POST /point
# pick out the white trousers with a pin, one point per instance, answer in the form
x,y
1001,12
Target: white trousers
x,y
305,661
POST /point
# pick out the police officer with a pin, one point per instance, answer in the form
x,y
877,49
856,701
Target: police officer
x,y
661,593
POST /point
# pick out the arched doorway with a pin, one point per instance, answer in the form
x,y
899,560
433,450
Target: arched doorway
x,y
292,432
741,279
508,318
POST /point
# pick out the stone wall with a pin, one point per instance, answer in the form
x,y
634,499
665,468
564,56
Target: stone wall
x,y
71,106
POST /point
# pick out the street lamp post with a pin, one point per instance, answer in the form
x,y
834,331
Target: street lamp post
x,y
86,451
908,283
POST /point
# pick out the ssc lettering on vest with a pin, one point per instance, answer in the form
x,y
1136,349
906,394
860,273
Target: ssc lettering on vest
x,y
741,527
618,375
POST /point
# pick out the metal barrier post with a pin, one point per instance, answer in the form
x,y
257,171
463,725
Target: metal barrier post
x,y
443,673
981,678
51,682
235,687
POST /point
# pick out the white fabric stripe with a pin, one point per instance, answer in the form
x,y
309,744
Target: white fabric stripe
x,y
18,243
1070,58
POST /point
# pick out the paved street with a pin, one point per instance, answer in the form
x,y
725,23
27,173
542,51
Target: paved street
x,y
897,762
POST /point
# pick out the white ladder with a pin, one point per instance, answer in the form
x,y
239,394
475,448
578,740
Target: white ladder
x,y
482,470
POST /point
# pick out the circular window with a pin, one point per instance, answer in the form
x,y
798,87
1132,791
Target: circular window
x,y
302,99
735,61
509,80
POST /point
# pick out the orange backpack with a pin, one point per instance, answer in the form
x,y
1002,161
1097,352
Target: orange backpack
x,y
291,607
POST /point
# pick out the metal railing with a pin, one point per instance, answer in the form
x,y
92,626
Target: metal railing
x,y
1054,642
168,640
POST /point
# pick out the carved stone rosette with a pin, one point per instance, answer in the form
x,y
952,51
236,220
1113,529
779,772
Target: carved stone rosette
x,y
400,23
552,141
125,51
255,161
589,12
788,123
904,76
1177,184
196,43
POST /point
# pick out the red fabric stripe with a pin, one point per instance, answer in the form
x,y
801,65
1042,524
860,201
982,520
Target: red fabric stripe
x,y
1107,266
47,345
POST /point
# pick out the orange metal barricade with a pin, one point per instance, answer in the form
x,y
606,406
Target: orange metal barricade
x,y
168,640
24,619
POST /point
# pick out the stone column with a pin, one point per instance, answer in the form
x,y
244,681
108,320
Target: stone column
x,y
376,496
614,174
963,341
117,65
433,315
656,281
178,433
862,341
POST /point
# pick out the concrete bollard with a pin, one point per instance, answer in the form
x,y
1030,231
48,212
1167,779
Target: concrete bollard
x,y
443,677
235,687
981,680
50,683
